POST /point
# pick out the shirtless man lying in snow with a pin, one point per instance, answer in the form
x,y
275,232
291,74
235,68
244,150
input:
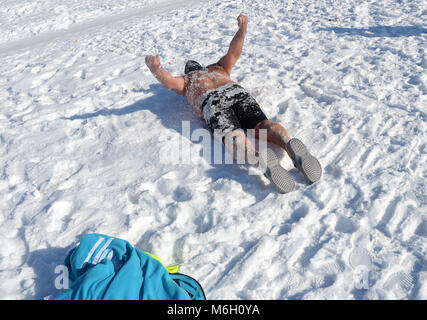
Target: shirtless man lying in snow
x,y
229,110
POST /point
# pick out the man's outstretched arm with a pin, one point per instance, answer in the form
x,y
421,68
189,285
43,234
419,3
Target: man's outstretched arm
x,y
236,45
165,78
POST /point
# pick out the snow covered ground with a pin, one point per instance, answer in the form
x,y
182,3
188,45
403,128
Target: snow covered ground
x,y
84,128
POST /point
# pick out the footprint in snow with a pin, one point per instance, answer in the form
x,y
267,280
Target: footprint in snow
x,y
399,283
345,225
328,274
360,257
361,262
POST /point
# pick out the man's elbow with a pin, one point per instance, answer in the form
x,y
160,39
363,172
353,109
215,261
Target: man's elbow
x,y
175,84
174,88
167,86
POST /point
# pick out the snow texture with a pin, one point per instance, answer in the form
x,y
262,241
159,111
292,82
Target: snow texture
x,y
84,125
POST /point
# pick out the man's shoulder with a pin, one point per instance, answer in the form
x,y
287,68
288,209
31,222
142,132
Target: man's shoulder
x,y
215,66
218,69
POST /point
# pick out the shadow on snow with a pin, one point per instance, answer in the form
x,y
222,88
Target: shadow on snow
x,y
172,111
379,31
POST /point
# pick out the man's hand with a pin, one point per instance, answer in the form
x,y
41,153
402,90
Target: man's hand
x,y
152,62
242,21
176,84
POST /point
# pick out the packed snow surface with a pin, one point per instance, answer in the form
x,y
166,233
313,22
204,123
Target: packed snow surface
x,y
89,141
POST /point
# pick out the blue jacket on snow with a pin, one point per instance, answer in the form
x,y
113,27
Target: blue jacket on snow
x,y
103,267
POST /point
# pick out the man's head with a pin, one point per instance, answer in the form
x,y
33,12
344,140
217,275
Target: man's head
x,y
192,65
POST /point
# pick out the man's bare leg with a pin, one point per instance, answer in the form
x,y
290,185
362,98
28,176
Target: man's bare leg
x,y
241,147
238,143
276,133
297,151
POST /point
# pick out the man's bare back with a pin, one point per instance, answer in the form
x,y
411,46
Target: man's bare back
x,y
198,83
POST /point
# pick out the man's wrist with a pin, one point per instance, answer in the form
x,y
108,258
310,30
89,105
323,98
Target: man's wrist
x,y
154,69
